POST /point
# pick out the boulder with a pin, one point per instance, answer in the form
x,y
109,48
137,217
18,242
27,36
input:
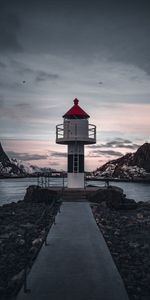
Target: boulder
x,y
113,197
37,194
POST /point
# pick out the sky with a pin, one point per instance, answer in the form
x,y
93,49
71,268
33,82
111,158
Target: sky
x,y
54,51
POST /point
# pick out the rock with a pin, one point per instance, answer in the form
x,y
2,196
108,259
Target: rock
x,y
2,291
37,194
37,242
140,216
113,198
129,243
18,276
15,282
29,222
27,226
117,232
134,244
5,236
128,204
21,242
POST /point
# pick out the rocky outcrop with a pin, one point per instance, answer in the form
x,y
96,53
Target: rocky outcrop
x,y
3,157
37,194
127,236
141,157
7,167
113,198
24,227
130,166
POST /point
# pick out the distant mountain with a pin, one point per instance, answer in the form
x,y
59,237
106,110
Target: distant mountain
x,y
24,167
13,167
142,157
29,169
7,167
131,165
3,157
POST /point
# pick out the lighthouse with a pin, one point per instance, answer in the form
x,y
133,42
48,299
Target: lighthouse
x,y
76,132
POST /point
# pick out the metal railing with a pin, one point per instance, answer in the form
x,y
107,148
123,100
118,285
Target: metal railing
x,y
92,131
60,132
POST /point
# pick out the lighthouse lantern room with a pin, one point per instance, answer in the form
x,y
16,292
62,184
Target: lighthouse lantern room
x,y
76,132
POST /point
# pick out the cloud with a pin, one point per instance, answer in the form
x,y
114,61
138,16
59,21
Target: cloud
x,y
2,65
98,153
9,28
115,30
38,75
20,67
17,111
54,163
43,76
117,143
57,154
26,156
1,101
23,105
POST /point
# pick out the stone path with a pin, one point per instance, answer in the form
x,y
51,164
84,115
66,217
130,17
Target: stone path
x,y
76,265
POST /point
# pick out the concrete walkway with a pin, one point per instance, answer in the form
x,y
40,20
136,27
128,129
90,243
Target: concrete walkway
x,y
76,265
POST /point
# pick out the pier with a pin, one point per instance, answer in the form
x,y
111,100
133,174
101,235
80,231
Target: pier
x,y
76,264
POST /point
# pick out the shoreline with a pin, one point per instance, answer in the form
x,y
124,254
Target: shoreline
x,y
125,226
137,180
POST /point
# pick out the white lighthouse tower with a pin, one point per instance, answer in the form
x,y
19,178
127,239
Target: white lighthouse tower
x,y
76,132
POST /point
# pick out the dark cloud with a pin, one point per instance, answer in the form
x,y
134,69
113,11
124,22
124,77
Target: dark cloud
x,y
1,101
9,28
21,68
42,76
2,65
17,111
116,143
23,105
116,30
38,75
97,153
133,146
57,154
26,156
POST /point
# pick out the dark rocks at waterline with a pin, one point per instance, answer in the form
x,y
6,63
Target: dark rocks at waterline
x,y
37,194
113,197
24,226
127,235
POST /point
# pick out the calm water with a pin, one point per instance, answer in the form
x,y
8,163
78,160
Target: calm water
x,y
14,189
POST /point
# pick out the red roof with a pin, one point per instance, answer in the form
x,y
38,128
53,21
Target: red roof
x,y
76,111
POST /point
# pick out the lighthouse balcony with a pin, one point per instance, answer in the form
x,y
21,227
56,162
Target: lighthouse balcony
x,y
64,136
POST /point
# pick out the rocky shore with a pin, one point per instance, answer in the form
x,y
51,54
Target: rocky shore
x,y
24,227
125,225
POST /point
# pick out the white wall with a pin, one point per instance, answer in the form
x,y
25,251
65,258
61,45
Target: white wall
x,y
76,180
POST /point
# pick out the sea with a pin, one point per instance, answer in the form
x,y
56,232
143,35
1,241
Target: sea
x,y
12,190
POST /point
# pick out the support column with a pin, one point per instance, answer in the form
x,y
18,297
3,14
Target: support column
x,y
76,165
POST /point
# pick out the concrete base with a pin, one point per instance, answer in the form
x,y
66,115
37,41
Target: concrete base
x,y
76,180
